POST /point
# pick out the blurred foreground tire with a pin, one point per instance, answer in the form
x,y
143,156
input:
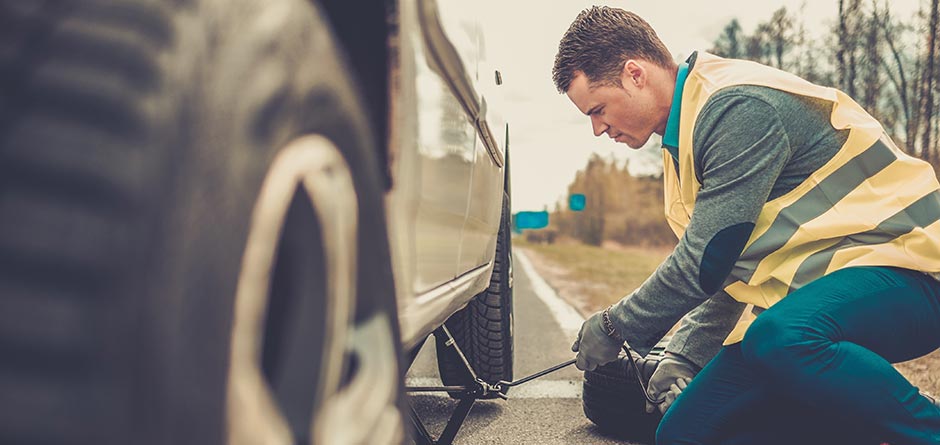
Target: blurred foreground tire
x,y
192,234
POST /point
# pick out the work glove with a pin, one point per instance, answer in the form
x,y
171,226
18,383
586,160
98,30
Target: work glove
x,y
672,375
594,345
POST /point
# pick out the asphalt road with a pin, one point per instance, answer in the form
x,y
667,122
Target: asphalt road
x,y
545,411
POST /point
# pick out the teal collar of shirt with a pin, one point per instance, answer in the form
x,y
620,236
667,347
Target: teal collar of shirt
x,y
671,135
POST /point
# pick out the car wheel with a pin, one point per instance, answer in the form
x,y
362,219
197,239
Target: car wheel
x,y
483,329
613,399
192,240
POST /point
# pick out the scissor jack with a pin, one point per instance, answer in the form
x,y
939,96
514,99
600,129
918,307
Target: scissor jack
x,y
466,395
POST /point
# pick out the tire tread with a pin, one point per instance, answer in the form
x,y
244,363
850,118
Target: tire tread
x,y
76,80
483,328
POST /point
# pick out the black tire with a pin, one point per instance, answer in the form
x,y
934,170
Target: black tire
x,y
134,139
483,329
613,399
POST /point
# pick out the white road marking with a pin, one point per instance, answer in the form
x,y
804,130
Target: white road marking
x,y
536,389
566,316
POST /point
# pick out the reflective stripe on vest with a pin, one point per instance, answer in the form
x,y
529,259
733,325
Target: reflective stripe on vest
x,y
871,204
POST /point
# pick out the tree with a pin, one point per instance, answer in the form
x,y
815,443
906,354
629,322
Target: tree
x,y
757,46
876,62
728,43
872,66
929,77
896,68
850,17
779,33
620,207
588,225
805,60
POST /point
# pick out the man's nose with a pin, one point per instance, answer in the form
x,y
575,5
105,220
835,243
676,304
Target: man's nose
x,y
598,126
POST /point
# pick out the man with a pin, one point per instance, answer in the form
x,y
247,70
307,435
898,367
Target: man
x,y
791,204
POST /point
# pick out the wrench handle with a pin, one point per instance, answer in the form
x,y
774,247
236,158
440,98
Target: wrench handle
x,y
503,383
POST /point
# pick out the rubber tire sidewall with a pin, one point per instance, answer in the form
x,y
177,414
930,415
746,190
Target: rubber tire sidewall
x,y
190,101
487,314
317,98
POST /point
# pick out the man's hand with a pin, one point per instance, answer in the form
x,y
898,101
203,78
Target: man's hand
x,y
671,377
594,346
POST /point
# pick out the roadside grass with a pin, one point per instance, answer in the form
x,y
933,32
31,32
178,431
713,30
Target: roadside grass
x,y
591,278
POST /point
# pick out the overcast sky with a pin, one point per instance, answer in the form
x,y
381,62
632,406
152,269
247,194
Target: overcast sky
x,y
550,139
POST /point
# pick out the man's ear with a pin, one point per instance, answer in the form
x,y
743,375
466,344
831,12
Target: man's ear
x,y
634,73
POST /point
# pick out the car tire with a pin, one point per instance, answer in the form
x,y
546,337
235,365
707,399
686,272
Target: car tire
x,y
137,140
483,329
613,400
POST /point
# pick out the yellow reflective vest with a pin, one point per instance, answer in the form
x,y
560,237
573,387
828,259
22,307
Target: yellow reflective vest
x,y
870,205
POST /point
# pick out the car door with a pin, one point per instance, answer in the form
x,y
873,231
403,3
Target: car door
x,y
446,148
464,24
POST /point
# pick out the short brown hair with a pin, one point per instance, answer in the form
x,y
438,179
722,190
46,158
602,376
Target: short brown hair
x,y
600,40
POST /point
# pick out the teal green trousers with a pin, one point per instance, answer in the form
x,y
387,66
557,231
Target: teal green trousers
x,y
816,368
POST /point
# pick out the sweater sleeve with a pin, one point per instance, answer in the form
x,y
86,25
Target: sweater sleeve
x,y
740,149
704,330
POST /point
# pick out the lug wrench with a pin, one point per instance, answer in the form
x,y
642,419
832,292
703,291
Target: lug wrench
x,y
469,394
504,384
482,388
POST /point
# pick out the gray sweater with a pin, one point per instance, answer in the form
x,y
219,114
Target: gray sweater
x,y
752,144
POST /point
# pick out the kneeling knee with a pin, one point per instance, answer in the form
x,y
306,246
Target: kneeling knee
x,y
772,341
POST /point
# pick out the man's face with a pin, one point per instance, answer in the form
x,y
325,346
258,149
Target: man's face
x,y
625,114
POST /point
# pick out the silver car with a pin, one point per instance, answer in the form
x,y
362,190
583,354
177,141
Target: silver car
x,y
236,221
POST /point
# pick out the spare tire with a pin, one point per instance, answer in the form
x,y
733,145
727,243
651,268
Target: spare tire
x,y
613,399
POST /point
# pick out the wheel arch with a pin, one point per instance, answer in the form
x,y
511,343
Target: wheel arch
x,y
363,29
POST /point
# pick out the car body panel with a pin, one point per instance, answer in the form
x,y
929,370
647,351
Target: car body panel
x,y
446,144
478,242
447,163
